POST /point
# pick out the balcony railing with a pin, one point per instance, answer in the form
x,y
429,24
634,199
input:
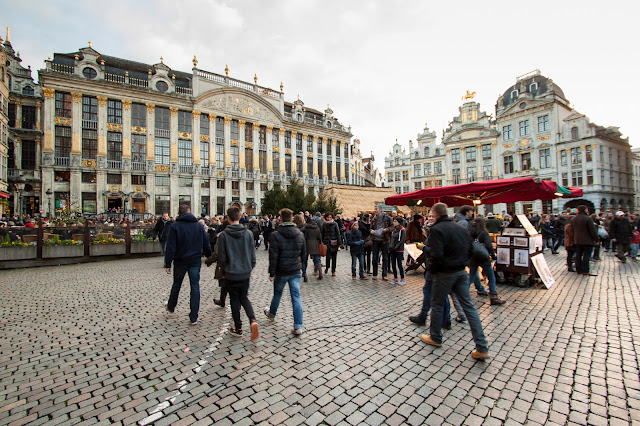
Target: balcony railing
x,y
204,171
62,161
185,169
65,69
114,78
139,167
184,90
138,82
163,133
111,164
89,124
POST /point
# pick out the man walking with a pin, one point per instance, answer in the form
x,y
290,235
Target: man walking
x,y
450,248
621,231
161,230
464,216
381,228
585,235
267,230
186,242
286,254
237,258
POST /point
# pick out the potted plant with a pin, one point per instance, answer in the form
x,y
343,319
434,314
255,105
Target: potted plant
x,y
142,244
16,250
103,246
55,247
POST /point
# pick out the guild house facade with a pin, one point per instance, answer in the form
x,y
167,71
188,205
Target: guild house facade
x,y
123,135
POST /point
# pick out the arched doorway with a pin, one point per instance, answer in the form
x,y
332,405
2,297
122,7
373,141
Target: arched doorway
x,y
572,204
250,209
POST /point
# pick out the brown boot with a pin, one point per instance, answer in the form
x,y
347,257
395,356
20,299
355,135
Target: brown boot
x,y
496,300
319,269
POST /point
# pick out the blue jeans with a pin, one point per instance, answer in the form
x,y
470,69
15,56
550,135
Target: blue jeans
x,y
426,303
458,284
179,271
488,270
396,259
354,259
634,250
316,259
294,288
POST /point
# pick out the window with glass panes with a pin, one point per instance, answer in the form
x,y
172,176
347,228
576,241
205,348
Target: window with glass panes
x,y
508,164
337,150
319,150
574,133
589,177
576,155
235,131
185,182
309,143
576,178
29,117
220,184
163,118
417,186
487,172
455,155
507,132
163,180
338,170
28,154
455,174
185,155
299,142
63,104
88,177
262,160
563,158
138,115
486,152
162,150
543,123
204,124
287,139
114,146
437,167
320,175
525,161
114,111
262,135
89,144
329,171
471,174
276,163
417,169
138,180
329,147
470,154
138,148
204,153
545,158
524,128
275,137
248,159
63,141
346,152
427,169
89,108
310,167
114,179
287,164
299,165
565,179
235,158
204,183
185,123
248,132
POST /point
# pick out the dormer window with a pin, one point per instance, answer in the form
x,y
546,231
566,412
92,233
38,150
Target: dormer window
x,y
574,133
417,155
514,94
162,86
426,151
329,124
397,161
533,88
299,117
89,73
27,90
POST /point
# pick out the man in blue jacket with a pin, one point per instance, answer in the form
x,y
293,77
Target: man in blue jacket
x,y
186,243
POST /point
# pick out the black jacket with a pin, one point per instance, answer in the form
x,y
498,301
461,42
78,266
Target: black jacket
x,y
330,231
287,250
187,242
547,230
558,225
355,242
449,245
398,237
484,238
621,230
236,253
161,230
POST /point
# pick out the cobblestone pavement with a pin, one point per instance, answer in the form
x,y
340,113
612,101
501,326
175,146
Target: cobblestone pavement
x,y
91,343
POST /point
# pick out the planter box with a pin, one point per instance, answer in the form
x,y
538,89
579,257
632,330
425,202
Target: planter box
x,y
145,247
17,253
62,251
107,249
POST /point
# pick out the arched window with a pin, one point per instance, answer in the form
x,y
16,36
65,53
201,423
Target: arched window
x,y
397,162
514,94
426,151
533,88
437,151
574,133
27,90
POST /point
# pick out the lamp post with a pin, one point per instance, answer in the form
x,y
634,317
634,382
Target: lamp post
x,y
19,186
49,194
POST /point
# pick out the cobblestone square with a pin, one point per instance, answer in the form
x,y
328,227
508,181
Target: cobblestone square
x,y
91,343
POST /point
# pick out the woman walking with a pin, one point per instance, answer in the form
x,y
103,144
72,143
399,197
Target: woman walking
x,y
479,232
396,250
365,229
298,220
313,239
332,239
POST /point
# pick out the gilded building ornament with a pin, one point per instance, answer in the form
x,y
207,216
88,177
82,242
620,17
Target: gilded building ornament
x,y
294,134
287,151
276,149
568,150
256,126
448,150
583,147
248,144
269,129
162,168
151,106
281,131
234,142
212,117
63,121
76,96
507,146
544,138
48,92
227,120
138,189
102,100
241,123
494,143
126,104
220,173
138,129
559,151
305,136
114,127
310,154
196,114
333,143
174,111
89,163
195,61
593,145
315,139
204,138
184,135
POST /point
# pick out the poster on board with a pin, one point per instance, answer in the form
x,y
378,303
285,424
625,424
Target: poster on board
x,y
504,255
540,263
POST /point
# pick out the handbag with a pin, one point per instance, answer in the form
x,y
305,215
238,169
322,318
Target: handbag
x,y
480,252
322,250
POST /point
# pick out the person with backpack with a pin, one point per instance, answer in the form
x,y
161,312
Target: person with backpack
x,y
332,239
381,228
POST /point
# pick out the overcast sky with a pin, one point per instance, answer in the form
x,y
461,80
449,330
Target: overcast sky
x,y
385,67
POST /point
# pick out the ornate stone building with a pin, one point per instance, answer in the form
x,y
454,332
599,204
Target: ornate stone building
x,y
120,134
4,131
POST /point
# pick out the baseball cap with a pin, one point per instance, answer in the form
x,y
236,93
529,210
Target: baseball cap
x,y
490,215
619,213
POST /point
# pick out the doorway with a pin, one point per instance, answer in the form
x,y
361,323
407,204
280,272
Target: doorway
x,y
114,203
138,205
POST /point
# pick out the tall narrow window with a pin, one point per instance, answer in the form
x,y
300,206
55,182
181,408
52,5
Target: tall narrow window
x,y
63,141
204,153
162,150
204,125
248,159
275,137
574,133
508,164
185,156
89,144
163,118
235,158
114,146
486,152
543,123
138,115
262,160
28,117
185,123
114,111
507,132
524,128
63,104
455,174
287,139
545,158
525,161
470,153
138,148
455,155
276,163
563,158
219,143
299,142
235,132
309,143
576,155
310,167
248,132
89,108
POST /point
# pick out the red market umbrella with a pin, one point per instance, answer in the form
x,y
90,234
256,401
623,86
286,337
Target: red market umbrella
x,y
483,192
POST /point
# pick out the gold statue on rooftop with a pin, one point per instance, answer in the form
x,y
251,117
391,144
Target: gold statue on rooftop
x,y
469,96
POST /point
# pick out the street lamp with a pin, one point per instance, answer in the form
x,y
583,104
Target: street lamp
x,y
19,186
49,194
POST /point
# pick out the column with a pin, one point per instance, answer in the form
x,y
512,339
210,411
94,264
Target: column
x,y
315,156
38,116
305,155
17,152
256,151
49,112
174,189
344,171
325,156
151,117
76,124
212,146
18,123
294,153
227,142
38,154
241,146
102,126
196,138
282,152
126,130
269,148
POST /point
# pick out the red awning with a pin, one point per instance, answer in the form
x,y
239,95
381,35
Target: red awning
x,y
4,195
483,192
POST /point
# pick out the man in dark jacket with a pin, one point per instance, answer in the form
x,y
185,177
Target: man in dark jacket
x,y
464,216
267,230
286,255
558,228
494,225
381,228
186,243
161,230
620,233
585,235
237,258
450,249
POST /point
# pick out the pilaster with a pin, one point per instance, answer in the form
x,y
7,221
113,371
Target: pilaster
x,y
241,144
126,128
102,126
174,136
76,124
49,112
195,141
151,125
227,142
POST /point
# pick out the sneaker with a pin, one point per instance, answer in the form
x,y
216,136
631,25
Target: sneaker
x,y
402,282
479,355
254,330
194,322
393,281
296,331
267,313
418,320
429,341
235,332
461,319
